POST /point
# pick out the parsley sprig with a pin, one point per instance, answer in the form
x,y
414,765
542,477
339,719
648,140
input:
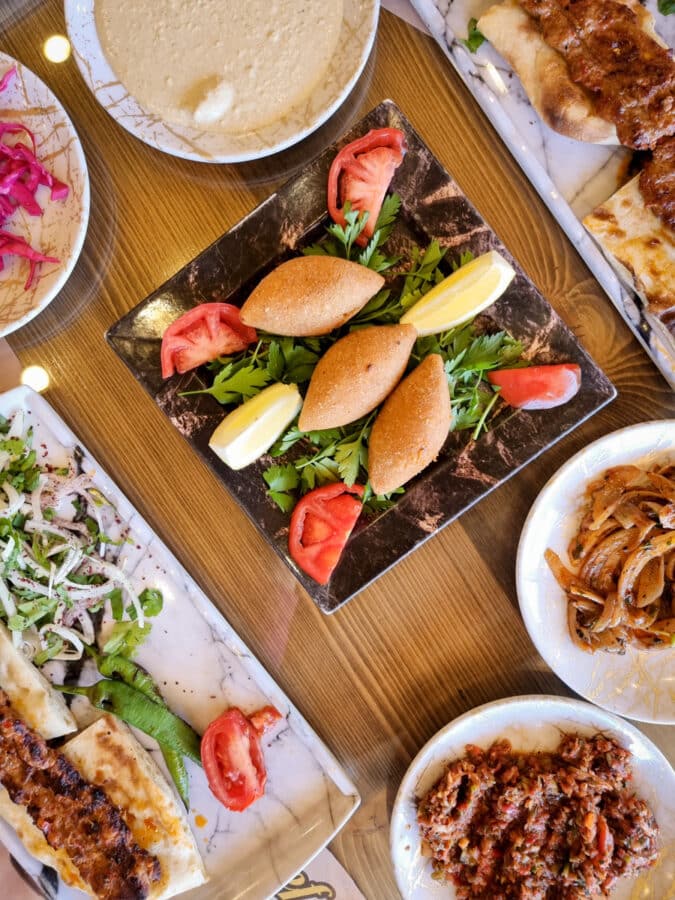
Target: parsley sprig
x,y
468,356
475,38
322,457
387,306
240,377
341,239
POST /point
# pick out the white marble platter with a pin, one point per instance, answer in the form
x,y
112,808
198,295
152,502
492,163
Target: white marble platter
x,y
571,177
355,41
639,684
535,723
61,229
203,667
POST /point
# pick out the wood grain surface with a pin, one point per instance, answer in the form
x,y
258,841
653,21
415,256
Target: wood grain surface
x,y
441,632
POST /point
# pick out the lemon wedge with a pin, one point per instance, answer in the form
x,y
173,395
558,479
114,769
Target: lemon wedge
x,y
251,429
462,295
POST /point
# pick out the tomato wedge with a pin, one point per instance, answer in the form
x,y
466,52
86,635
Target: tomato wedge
x,y
361,173
320,526
539,387
232,756
202,334
264,718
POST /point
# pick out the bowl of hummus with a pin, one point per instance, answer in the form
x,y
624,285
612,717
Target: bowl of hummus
x,y
219,80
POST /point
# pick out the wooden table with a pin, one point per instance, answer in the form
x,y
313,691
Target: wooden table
x,y
439,634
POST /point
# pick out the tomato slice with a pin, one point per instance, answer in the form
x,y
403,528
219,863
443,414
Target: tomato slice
x,y
539,387
232,756
320,526
202,334
264,718
361,173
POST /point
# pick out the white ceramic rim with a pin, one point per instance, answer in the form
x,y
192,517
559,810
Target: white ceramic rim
x,y
542,647
581,707
74,8
67,265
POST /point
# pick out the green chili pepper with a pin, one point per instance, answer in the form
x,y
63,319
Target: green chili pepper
x,y
178,772
136,709
114,666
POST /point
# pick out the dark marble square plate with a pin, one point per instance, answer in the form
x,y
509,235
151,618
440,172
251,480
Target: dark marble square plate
x,y
466,470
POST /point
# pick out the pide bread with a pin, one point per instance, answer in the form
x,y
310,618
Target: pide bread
x,y
108,755
34,841
30,694
310,295
355,375
411,427
641,246
564,106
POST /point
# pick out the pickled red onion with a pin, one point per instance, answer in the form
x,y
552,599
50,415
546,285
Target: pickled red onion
x,y
21,174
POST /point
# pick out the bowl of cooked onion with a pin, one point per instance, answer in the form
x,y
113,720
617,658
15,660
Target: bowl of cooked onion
x,y
596,572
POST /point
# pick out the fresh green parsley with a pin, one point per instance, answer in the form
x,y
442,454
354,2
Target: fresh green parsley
x,y
56,553
282,482
126,637
341,239
468,356
474,38
666,7
22,470
387,306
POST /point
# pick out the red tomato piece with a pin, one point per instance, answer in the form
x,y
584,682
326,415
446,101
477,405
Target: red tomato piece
x,y
539,387
233,760
264,718
361,173
320,526
202,334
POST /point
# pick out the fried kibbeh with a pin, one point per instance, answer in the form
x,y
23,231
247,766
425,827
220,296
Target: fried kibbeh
x,y
411,427
355,375
310,295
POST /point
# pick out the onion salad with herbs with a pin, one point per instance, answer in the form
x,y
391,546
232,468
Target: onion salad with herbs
x,y
60,545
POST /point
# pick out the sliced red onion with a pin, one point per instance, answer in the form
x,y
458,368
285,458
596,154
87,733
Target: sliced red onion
x,y
21,174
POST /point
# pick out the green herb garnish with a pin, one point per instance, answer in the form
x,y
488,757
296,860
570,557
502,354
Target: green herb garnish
x,y
341,239
474,38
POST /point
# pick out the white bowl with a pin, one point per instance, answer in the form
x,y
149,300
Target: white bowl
x,y
641,683
531,723
353,48
61,229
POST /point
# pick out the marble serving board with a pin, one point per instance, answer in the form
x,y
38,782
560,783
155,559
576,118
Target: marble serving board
x,y
571,177
203,667
432,206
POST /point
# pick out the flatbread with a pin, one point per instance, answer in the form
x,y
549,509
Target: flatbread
x,y
107,754
32,697
564,106
638,243
35,842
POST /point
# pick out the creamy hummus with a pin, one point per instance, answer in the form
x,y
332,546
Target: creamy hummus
x,y
219,65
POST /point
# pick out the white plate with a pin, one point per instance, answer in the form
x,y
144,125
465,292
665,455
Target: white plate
x,y
531,723
571,177
641,683
204,667
354,45
61,229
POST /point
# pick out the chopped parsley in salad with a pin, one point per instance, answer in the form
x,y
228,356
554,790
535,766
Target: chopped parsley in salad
x,y
60,567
